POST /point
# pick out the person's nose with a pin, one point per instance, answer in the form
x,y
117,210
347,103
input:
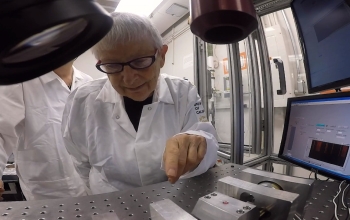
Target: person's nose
x,y
129,76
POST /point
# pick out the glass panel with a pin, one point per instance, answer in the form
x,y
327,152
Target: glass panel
x,y
220,107
220,104
247,103
283,44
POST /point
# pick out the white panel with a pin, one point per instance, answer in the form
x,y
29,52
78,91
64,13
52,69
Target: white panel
x,y
223,125
163,21
86,63
279,168
183,49
279,115
278,42
169,57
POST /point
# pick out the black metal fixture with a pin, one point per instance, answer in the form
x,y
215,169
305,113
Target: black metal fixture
x,y
37,36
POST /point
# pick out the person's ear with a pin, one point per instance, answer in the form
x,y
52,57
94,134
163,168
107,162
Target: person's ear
x,y
162,53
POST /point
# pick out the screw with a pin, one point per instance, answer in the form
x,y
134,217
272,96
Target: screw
x,y
247,208
240,211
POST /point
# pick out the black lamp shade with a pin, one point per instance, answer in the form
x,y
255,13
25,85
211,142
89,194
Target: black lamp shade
x,y
38,36
222,21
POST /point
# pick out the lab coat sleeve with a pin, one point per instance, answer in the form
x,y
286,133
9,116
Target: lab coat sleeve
x,y
12,113
196,123
72,126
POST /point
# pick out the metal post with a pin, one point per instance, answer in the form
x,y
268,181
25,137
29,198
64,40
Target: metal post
x,y
195,61
267,89
237,114
201,72
289,169
253,69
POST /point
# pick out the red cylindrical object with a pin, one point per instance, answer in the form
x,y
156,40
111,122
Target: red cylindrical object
x,y
222,21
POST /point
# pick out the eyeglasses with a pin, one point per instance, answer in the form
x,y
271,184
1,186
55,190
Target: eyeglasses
x,y
139,63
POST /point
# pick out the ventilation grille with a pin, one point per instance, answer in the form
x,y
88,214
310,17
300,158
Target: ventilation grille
x,y
264,7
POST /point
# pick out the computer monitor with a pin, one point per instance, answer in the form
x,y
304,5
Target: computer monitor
x,y
324,31
316,134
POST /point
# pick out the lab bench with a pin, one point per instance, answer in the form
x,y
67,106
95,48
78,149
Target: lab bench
x,y
134,204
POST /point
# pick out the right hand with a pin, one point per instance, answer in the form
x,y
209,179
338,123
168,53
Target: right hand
x,y
1,189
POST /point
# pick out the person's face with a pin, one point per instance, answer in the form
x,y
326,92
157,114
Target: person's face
x,y
136,84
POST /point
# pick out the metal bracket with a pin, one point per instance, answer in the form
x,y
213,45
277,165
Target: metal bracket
x,y
262,125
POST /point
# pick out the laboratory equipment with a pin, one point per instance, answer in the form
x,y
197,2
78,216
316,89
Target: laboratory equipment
x,y
38,36
222,22
316,134
324,31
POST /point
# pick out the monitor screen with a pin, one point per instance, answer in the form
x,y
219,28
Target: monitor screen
x,y
316,134
324,31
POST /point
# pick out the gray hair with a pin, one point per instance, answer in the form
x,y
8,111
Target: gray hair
x,y
128,27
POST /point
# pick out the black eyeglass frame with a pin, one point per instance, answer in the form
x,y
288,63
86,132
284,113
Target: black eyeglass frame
x,y
154,57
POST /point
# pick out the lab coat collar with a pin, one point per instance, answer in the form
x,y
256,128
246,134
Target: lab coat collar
x,y
77,74
162,91
48,77
161,94
108,93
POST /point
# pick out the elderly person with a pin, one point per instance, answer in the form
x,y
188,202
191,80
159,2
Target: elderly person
x,y
137,127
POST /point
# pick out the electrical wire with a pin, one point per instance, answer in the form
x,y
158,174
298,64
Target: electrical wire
x,y
348,213
335,204
310,174
342,197
297,216
316,178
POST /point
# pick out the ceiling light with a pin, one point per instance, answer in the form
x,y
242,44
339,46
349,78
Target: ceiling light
x,y
141,7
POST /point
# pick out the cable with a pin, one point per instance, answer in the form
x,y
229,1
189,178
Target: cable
x,y
310,174
342,197
316,178
297,216
335,204
348,213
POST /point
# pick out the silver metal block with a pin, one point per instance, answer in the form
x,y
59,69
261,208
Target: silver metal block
x,y
301,186
168,210
105,216
216,206
280,205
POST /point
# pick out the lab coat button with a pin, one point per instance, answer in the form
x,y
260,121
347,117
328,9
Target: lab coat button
x,y
117,117
149,108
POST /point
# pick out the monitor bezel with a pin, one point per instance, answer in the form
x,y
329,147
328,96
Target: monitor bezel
x,y
329,86
286,125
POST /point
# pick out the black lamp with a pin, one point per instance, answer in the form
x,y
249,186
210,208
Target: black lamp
x,y
37,36
223,21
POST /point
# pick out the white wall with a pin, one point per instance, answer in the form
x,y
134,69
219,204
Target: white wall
x,y
179,58
86,63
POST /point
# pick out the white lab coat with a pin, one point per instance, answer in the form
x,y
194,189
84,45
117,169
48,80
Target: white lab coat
x,y
30,127
110,155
